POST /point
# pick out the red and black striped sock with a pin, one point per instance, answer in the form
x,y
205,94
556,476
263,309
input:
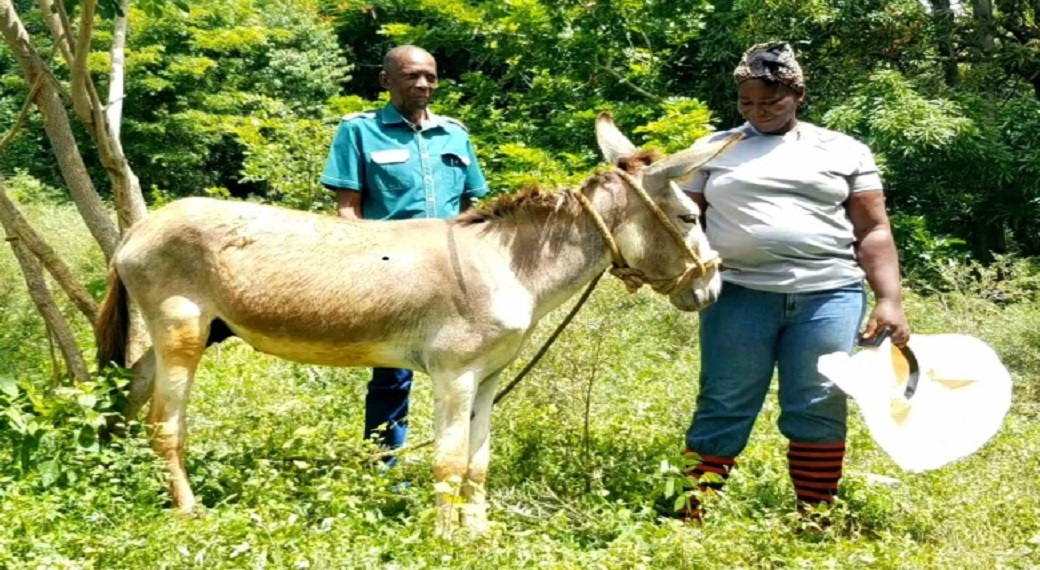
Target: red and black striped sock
x,y
815,470
720,466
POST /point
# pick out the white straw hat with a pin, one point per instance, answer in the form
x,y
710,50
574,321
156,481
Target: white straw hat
x,y
938,399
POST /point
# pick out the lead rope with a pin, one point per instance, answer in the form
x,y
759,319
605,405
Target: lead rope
x,y
631,277
520,376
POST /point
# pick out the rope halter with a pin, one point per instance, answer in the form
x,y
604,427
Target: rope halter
x,y
635,278
632,277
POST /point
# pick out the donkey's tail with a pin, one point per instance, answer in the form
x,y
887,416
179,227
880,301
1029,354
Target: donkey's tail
x,y
113,323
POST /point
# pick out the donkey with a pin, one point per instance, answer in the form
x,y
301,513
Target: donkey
x,y
455,299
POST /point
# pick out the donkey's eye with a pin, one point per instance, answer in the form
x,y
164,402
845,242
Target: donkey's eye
x,y
688,218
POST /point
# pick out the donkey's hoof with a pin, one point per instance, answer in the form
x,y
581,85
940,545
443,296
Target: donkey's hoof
x,y
474,518
446,524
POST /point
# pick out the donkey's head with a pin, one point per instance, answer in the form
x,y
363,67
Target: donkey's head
x,y
670,250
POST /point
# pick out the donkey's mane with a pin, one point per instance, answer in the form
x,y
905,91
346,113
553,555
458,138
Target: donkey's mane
x,y
530,198
533,197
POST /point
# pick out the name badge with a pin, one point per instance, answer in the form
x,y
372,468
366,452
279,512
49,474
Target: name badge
x,y
390,156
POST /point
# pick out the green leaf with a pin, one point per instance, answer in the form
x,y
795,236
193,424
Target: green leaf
x,y
9,386
87,401
50,472
17,419
87,439
681,502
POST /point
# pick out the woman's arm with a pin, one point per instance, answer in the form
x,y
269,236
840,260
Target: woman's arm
x,y
876,251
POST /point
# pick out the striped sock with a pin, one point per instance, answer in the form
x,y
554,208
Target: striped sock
x,y
714,464
815,470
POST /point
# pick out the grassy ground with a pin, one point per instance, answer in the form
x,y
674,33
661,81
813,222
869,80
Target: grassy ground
x,y
276,457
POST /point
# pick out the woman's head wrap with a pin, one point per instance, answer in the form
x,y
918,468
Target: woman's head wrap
x,y
772,63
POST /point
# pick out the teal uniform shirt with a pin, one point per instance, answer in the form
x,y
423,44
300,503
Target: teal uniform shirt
x,y
402,171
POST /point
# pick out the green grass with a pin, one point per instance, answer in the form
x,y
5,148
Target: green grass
x,y
277,459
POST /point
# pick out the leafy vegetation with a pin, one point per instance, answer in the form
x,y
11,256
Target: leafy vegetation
x,y
240,98
584,453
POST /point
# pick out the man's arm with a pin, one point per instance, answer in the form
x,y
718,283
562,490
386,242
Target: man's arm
x,y
348,204
474,186
344,168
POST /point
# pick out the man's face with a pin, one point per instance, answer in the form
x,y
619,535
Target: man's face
x,y
411,81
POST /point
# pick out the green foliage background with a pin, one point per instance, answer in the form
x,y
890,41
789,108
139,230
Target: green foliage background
x,y
585,453
240,98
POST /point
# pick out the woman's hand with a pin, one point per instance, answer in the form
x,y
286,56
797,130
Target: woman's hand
x,y
887,315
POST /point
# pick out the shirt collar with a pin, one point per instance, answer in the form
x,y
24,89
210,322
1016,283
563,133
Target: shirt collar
x,y
792,135
391,116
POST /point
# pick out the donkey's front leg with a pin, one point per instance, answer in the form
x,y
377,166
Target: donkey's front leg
x,y
452,405
474,510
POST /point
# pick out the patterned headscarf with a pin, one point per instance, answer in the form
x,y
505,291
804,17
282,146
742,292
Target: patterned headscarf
x,y
773,62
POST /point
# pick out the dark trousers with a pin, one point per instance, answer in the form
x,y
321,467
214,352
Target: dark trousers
x,y
386,407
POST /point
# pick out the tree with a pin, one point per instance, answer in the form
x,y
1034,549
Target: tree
x,y
71,35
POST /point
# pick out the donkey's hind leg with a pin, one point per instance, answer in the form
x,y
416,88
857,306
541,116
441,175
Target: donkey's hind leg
x,y
179,336
138,394
141,385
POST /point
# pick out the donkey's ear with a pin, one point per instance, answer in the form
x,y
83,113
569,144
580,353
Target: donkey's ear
x,y
683,164
612,143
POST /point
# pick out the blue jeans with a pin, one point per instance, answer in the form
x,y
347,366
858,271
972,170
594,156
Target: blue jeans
x,y
744,336
386,407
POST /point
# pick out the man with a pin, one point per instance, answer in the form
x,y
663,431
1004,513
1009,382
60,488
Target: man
x,y
396,163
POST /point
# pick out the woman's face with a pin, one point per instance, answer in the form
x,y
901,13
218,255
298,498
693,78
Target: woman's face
x,y
770,108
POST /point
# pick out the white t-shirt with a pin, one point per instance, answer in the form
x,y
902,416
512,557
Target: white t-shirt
x,y
776,211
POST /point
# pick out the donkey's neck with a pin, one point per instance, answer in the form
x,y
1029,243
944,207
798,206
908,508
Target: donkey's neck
x,y
555,251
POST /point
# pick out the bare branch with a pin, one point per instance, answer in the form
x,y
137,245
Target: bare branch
x,y
58,27
126,188
19,228
22,114
59,131
80,72
52,317
624,81
116,90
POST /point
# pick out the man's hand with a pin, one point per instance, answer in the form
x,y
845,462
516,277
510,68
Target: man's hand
x,y
348,204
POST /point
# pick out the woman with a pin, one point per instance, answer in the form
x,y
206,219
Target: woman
x,y
797,214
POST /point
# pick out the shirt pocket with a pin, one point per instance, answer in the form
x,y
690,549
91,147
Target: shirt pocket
x,y
389,170
452,172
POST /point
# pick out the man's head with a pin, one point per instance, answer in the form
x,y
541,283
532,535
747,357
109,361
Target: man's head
x,y
410,75
770,84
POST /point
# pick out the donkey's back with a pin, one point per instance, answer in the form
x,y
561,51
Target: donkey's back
x,y
311,288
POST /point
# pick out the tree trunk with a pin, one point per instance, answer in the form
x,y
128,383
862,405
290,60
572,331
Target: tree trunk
x,y
944,19
53,20
982,12
17,227
126,188
102,126
52,317
59,131
130,205
116,91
